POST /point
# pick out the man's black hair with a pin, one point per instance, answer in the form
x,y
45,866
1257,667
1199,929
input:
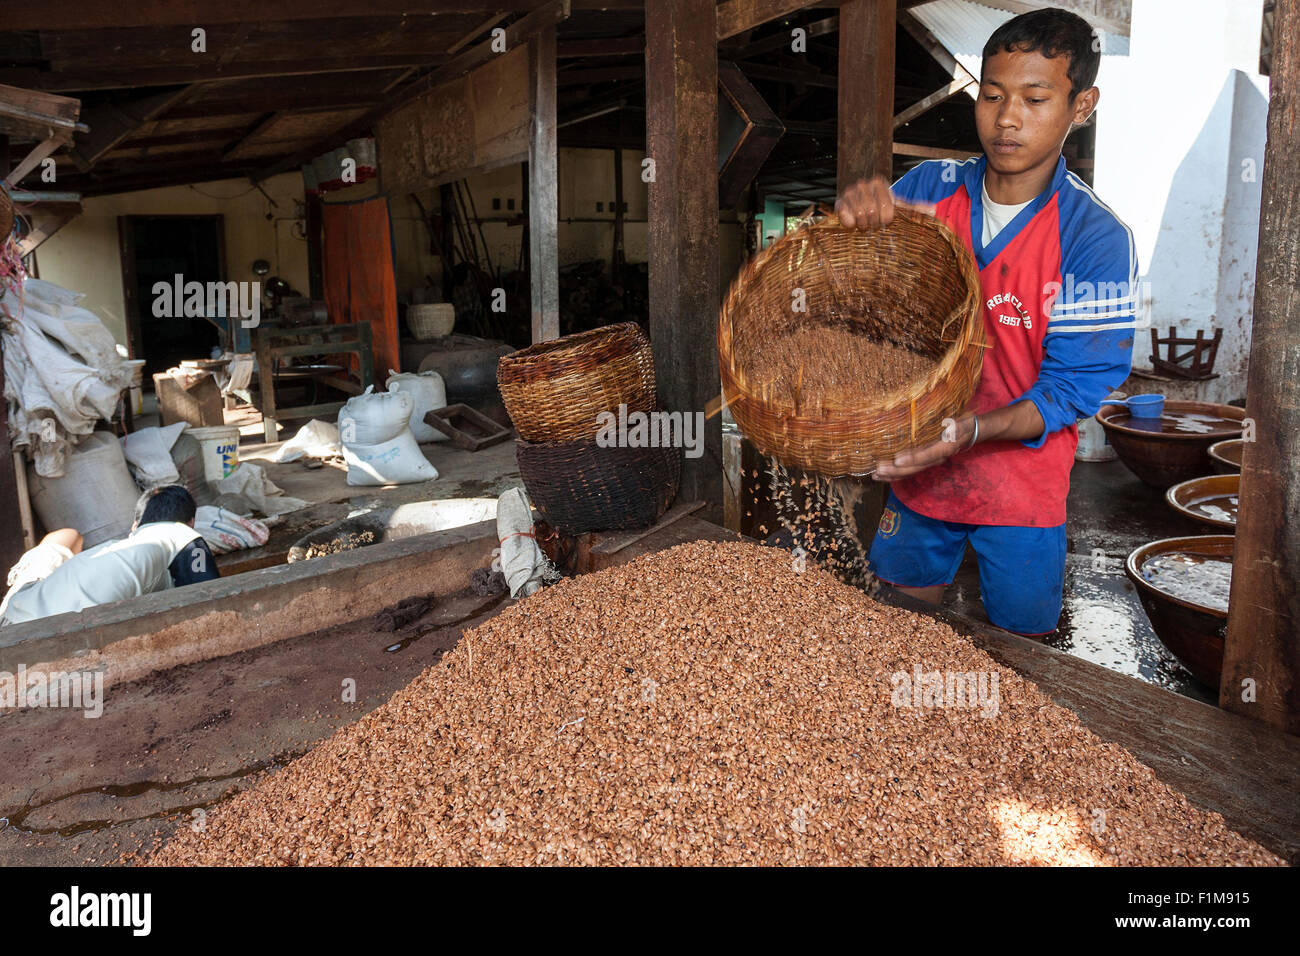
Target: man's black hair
x,y
165,503
1052,33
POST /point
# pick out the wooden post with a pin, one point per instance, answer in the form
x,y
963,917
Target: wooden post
x,y
866,140
315,237
11,506
1262,649
681,60
543,189
866,89
618,257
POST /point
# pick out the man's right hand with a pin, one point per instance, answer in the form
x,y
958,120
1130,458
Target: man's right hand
x,y
868,204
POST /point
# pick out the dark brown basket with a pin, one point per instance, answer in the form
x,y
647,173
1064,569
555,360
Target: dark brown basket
x,y
912,285
554,390
579,486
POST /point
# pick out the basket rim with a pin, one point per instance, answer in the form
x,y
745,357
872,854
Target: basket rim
x,y
573,343
735,385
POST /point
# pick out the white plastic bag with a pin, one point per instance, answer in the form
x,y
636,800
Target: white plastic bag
x,y
397,461
428,392
148,453
522,562
250,484
62,372
316,439
374,417
225,531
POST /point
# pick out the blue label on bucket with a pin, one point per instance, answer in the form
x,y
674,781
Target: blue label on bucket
x,y
229,457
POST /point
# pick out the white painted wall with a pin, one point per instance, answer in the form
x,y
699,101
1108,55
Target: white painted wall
x,y
1178,121
85,255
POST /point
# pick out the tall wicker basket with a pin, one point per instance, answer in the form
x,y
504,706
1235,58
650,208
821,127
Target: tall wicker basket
x,y
555,390
911,284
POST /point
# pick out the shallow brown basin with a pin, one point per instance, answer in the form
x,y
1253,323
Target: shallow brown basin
x,y
1226,456
1192,633
1166,457
1193,499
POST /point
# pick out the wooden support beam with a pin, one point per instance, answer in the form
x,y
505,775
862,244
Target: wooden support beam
x,y
941,95
110,123
46,224
33,159
866,91
682,139
518,33
477,32
262,126
612,46
908,21
931,152
52,15
781,74
169,75
543,189
782,41
1262,651
738,16
12,488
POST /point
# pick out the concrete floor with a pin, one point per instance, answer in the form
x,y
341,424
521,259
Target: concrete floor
x,y
1102,619
461,474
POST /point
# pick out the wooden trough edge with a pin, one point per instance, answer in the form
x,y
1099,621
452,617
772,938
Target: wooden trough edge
x,y
131,639
1244,769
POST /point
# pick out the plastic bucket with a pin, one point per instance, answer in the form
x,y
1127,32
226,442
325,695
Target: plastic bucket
x,y
1094,445
219,445
137,380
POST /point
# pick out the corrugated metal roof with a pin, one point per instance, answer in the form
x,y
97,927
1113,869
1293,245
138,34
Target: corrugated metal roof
x,y
963,27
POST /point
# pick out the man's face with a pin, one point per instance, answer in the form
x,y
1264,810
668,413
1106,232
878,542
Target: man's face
x,y
1024,111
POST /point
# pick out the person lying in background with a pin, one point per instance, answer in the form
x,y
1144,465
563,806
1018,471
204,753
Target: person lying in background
x,y
162,551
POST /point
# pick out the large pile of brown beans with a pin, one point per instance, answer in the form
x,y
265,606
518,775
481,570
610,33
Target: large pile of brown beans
x,y
709,704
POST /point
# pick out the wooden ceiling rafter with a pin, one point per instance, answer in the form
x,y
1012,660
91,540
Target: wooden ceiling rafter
x,y
543,16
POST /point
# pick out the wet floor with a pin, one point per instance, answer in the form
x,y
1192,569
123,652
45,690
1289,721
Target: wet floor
x,y
1110,513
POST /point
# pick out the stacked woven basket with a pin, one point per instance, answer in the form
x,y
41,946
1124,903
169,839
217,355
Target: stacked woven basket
x,y
841,347
555,393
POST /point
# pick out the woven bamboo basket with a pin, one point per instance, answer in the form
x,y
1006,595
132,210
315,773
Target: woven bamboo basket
x,y
431,321
555,390
579,486
912,285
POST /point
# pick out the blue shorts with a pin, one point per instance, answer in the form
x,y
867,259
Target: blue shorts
x,y
1022,570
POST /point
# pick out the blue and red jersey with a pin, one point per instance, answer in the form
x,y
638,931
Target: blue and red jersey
x,y
1060,297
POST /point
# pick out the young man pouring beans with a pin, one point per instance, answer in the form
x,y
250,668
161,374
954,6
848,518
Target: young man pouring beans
x,y
1058,274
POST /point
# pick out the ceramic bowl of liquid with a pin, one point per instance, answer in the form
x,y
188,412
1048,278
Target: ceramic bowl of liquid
x,y
1183,584
1210,500
1172,447
1226,456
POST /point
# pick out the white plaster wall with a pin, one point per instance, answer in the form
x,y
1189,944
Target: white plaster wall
x,y
1175,121
85,255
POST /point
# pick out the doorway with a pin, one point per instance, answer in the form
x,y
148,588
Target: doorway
x,y
157,249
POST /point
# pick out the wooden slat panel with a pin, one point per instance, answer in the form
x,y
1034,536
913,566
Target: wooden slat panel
x,y
866,90
682,138
476,122
543,190
1263,646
